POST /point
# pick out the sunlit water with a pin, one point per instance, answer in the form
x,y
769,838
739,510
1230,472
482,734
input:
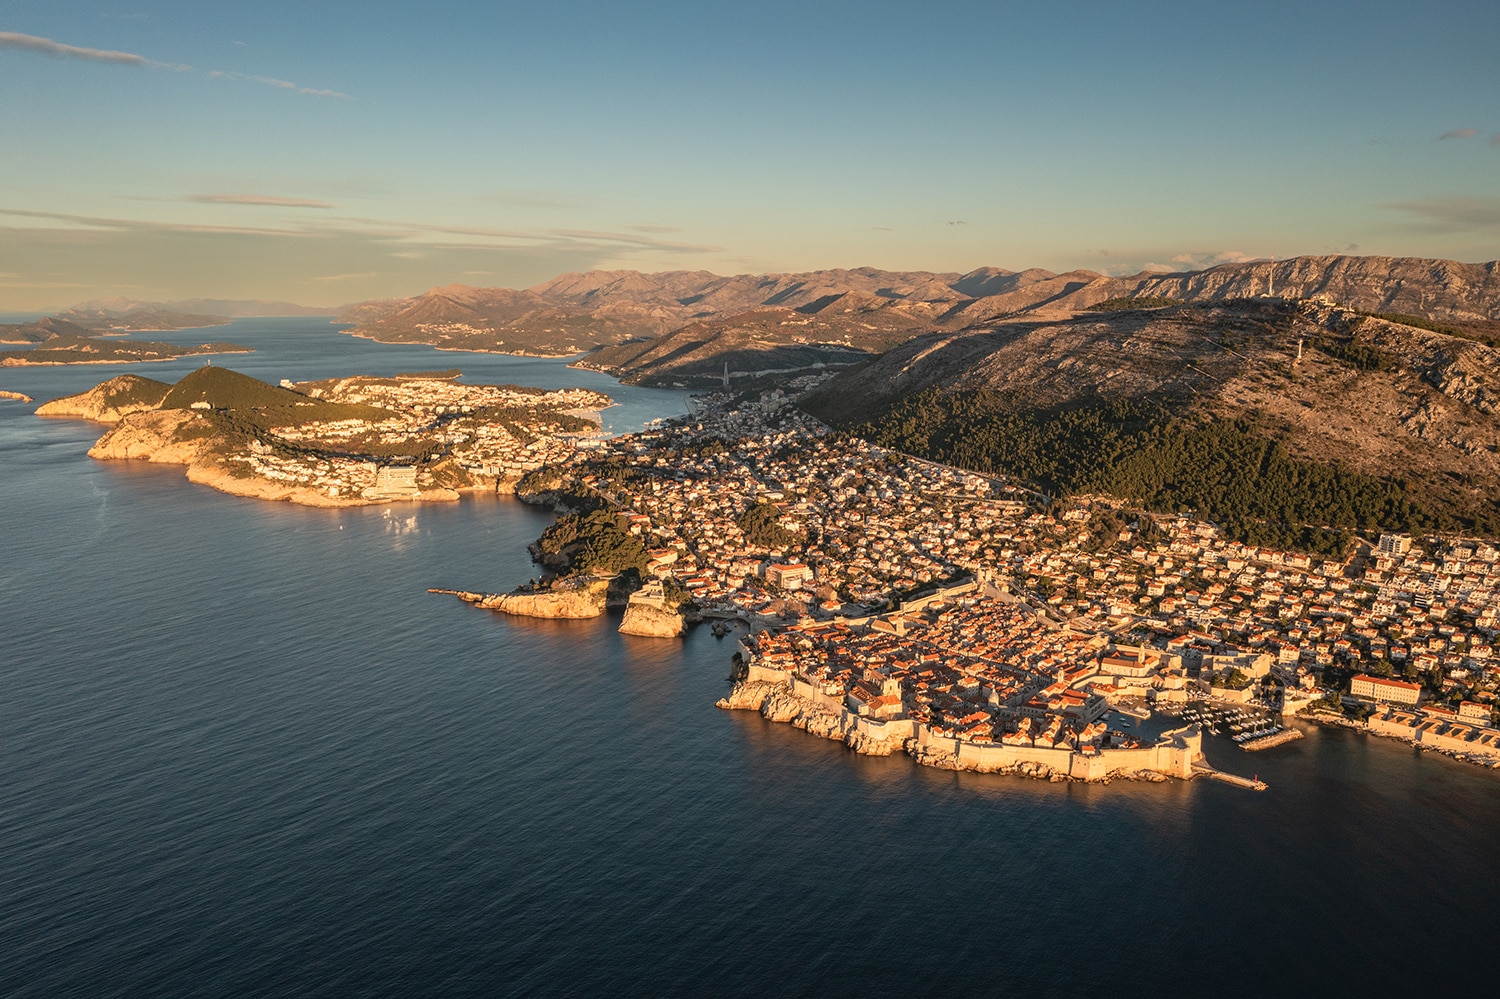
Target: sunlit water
x,y
243,752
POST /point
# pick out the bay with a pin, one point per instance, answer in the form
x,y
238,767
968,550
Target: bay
x,y
243,752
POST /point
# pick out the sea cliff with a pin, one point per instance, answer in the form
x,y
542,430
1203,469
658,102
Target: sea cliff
x,y
652,622
581,600
109,401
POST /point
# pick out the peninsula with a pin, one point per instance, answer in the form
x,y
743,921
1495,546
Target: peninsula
x,y
340,442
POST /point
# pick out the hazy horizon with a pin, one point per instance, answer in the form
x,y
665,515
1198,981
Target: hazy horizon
x,y
348,152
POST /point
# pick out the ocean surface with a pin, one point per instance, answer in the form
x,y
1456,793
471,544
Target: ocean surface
x,y
244,753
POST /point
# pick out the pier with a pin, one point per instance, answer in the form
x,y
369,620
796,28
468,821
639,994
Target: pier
x,y
1204,770
1274,739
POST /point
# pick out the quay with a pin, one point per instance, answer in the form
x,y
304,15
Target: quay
x,y
1274,739
1204,770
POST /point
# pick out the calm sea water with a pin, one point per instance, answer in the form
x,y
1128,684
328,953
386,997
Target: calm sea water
x,y
243,752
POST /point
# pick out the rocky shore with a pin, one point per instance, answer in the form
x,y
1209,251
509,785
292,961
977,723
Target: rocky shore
x,y
584,600
15,396
652,622
186,437
777,703
109,401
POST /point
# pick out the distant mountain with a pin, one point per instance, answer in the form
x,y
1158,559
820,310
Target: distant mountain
x,y
858,309
139,318
761,342
220,308
574,313
1207,407
39,330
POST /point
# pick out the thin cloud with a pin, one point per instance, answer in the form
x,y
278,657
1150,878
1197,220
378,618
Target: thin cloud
x,y
98,222
559,240
1452,214
658,229
1459,133
537,199
343,277
1211,258
271,81
258,200
57,50
635,241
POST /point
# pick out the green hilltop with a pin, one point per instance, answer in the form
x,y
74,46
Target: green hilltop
x,y
257,401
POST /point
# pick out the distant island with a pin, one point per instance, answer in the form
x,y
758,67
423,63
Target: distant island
x,y
92,336
64,348
342,442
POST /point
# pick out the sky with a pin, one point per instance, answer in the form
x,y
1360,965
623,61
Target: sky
x,y
329,152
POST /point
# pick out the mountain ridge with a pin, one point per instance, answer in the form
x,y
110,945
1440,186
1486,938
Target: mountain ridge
x,y
578,312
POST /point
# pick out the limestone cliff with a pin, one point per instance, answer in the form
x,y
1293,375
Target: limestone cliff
x,y
110,401
188,437
652,622
777,703
562,601
173,436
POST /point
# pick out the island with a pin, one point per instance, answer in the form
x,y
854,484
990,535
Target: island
x,y
340,442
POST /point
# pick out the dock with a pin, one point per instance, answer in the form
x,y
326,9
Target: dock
x,y
1204,770
1274,739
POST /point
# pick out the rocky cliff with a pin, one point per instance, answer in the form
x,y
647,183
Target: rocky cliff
x,y
110,401
652,622
777,703
172,436
585,599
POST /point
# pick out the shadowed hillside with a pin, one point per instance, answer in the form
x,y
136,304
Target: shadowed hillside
x,y
1208,408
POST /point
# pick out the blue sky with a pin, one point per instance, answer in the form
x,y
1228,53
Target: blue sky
x,y
332,152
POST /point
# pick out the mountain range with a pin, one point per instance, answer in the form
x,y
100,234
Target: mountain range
x,y
773,321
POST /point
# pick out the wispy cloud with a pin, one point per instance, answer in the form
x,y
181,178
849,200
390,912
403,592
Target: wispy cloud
x,y
658,229
258,200
343,277
1459,133
383,230
101,222
57,50
1452,214
271,81
1211,258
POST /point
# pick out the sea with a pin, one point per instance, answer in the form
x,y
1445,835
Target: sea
x,y
244,752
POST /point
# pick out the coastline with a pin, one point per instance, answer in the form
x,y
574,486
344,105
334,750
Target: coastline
x,y
16,361
363,335
1176,754
1472,759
